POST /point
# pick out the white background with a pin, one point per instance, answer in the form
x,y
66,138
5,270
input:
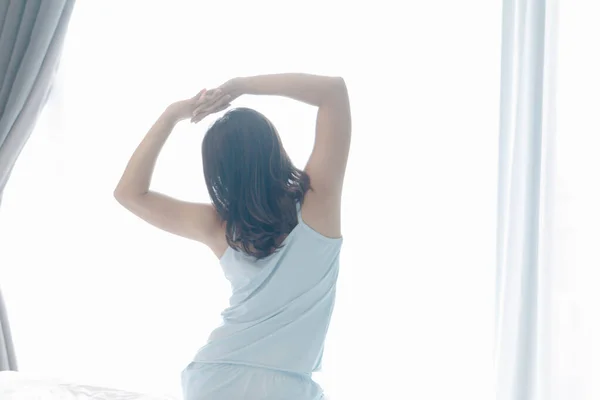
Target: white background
x,y
575,321
99,297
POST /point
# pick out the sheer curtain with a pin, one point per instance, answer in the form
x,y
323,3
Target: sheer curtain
x,y
31,39
99,297
548,320
525,198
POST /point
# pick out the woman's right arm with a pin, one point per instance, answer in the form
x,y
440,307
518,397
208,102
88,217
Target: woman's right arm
x,y
327,163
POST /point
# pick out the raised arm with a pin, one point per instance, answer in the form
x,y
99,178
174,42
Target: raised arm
x,y
195,221
327,163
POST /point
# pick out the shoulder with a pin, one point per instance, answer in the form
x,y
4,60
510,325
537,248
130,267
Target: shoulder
x,y
322,213
218,240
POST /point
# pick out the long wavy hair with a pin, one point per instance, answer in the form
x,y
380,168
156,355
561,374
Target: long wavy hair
x,y
252,182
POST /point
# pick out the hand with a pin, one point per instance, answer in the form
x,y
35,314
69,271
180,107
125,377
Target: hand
x,y
210,102
199,106
224,94
232,88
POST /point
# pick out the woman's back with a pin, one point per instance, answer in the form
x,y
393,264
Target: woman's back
x,y
280,306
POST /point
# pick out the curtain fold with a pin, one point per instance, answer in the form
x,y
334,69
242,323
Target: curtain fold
x,y
525,198
8,361
31,39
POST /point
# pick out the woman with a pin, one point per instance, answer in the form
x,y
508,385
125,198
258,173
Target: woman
x,y
275,229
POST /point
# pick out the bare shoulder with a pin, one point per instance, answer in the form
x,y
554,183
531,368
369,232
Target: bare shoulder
x,y
322,212
219,244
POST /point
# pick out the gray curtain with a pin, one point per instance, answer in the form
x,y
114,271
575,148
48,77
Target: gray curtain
x,y
31,37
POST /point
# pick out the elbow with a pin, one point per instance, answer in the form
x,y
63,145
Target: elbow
x,y
128,196
339,81
123,196
120,195
338,85
337,91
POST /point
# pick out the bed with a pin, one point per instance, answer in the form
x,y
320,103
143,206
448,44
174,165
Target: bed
x,y
19,386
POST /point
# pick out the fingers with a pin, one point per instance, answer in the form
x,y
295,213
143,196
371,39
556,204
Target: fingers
x,y
208,104
207,100
206,96
202,111
213,92
210,95
199,117
223,107
199,95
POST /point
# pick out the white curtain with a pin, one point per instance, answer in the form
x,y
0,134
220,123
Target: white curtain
x,y
547,276
98,297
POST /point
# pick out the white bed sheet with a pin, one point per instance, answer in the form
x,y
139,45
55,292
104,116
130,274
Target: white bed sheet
x,y
18,386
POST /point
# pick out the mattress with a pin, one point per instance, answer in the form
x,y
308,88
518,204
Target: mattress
x,y
17,386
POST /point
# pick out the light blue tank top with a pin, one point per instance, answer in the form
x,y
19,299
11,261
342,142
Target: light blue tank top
x,y
280,307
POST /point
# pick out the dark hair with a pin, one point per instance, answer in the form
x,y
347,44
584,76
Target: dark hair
x,y
252,182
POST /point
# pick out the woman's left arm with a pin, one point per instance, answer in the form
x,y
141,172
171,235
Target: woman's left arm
x,y
195,221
